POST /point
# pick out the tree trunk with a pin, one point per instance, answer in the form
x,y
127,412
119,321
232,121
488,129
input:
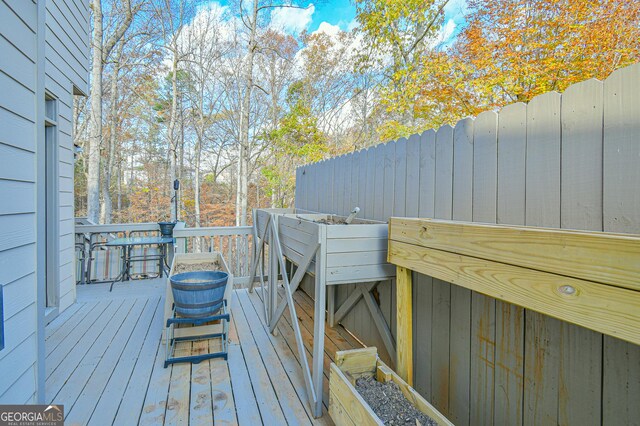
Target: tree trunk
x,y
196,187
170,130
243,157
107,205
101,50
95,118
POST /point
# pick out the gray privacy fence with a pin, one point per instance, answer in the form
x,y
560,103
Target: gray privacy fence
x,y
568,160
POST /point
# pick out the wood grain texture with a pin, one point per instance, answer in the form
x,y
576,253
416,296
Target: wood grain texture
x,y
580,372
509,354
612,259
460,320
539,291
404,313
483,343
542,208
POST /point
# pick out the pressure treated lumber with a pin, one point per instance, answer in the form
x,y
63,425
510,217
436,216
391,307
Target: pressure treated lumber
x,y
346,405
404,312
610,310
607,258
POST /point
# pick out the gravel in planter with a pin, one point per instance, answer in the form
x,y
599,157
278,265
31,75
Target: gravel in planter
x,y
331,221
390,404
192,267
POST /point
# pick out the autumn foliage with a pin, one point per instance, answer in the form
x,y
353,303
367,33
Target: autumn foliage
x,y
511,51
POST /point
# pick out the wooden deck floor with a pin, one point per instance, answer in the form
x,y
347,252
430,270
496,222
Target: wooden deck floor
x,y
105,364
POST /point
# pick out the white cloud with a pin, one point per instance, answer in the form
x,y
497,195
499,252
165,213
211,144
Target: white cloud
x,y
447,30
328,29
353,25
292,20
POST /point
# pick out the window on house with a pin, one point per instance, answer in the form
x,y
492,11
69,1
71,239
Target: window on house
x,y
51,200
50,110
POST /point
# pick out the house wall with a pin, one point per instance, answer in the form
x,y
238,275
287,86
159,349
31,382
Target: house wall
x,y
22,84
66,72
18,74
567,160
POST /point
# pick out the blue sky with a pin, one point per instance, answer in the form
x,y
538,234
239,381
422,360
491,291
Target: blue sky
x,y
335,12
341,13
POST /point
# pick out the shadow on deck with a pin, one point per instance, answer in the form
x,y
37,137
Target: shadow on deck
x,y
105,363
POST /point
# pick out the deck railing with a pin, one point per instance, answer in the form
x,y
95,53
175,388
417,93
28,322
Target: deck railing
x,y
234,242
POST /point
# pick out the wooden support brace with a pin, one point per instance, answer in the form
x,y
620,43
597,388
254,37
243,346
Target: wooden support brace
x,y
351,301
380,323
404,312
257,251
293,285
315,396
331,306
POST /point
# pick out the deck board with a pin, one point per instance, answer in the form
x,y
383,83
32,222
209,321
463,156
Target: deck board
x,y
105,363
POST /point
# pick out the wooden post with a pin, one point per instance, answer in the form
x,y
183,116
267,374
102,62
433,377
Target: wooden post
x,y
404,312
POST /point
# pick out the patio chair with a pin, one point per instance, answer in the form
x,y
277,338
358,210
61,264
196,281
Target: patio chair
x,y
146,261
81,258
105,263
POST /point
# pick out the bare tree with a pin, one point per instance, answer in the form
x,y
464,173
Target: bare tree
x,y
250,20
102,48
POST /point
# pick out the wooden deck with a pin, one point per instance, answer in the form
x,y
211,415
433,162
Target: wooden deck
x,y
105,364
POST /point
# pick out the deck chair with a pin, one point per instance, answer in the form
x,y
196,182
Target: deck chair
x,y
80,259
146,261
199,328
105,263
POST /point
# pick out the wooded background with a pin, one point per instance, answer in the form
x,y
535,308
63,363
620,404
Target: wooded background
x,y
229,102
565,160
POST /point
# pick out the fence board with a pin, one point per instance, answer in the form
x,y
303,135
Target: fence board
x,y
580,381
378,181
412,193
542,333
621,206
460,339
441,290
387,199
485,174
338,185
400,178
509,354
369,212
423,288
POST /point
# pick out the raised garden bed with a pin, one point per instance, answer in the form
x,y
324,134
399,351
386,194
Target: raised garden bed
x,y
359,368
349,254
188,262
262,217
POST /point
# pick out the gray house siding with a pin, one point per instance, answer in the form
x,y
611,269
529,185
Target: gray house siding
x,y
18,74
41,51
66,73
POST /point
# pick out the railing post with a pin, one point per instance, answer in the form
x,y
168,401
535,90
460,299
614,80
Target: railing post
x,y
404,312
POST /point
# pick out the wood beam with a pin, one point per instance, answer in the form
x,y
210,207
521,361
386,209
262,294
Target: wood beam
x,y
606,309
603,257
404,323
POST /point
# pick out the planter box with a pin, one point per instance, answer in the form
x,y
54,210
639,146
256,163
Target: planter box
x,y
191,258
261,217
347,407
351,253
